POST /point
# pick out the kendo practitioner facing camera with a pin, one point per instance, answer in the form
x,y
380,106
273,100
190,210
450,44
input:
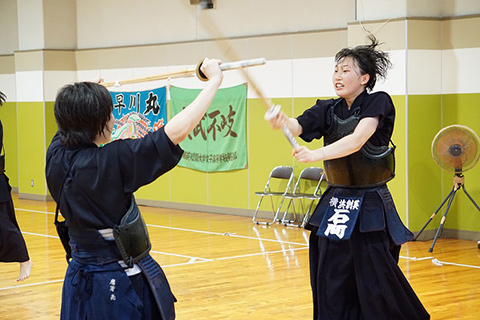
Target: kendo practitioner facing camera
x,y
111,274
356,232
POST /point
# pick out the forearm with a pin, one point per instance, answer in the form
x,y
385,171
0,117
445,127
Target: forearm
x,y
348,144
178,128
341,148
294,127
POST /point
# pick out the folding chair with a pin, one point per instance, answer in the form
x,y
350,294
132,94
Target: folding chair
x,y
312,174
280,174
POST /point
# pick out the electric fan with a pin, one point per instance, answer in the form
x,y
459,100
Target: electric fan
x,y
455,149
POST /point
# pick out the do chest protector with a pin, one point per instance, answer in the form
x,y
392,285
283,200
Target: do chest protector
x,y
371,166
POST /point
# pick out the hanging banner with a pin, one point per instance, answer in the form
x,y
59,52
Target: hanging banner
x,y
219,141
139,112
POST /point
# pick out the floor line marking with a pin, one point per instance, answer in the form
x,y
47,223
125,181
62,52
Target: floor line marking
x,y
36,211
227,234
40,234
258,254
32,284
178,255
415,258
196,231
434,260
194,260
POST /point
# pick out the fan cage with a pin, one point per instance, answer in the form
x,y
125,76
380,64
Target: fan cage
x,y
456,148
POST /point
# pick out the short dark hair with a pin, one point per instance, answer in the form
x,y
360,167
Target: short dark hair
x,y
370,61
3,98
82,110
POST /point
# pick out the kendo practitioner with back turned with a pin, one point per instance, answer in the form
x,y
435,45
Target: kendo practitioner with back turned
x,y
110,274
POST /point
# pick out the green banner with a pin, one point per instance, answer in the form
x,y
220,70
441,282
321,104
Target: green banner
x,y
219,141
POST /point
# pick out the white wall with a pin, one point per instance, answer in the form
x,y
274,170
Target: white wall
x,y
30,25
82,24
8,26
386,9
110,23
60,18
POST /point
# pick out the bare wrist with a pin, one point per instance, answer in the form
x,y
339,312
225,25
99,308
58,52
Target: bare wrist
x,y
217,79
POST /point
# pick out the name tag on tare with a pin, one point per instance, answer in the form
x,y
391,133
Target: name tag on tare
x,y
340,218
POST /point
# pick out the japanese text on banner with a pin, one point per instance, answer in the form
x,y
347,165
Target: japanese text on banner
x,y
219,141
139,112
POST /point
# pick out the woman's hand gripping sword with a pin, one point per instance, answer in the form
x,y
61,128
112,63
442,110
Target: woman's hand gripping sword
x,y
271,113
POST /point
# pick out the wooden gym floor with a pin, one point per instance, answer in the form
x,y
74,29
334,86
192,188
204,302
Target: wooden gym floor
x,y
225,267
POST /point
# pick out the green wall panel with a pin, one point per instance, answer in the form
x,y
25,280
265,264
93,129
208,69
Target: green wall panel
x,y
268,148
50,123
424,183
158,190
31,148
397,186
188,186
463,109
229,189
300,105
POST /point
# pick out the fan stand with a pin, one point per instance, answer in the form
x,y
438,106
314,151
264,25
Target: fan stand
x,y
458,181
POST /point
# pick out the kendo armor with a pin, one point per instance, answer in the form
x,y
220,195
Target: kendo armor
x,y
131,236
371,166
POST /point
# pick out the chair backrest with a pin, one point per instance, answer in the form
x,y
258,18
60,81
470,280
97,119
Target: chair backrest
x,y
283,173
313,174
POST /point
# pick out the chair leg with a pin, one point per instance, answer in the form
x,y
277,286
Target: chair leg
x,y
286,211
278,210
275,216
286,222
292,223
256,210
307,214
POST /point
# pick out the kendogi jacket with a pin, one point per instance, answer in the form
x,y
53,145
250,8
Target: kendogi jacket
x,y
357,191
94,188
